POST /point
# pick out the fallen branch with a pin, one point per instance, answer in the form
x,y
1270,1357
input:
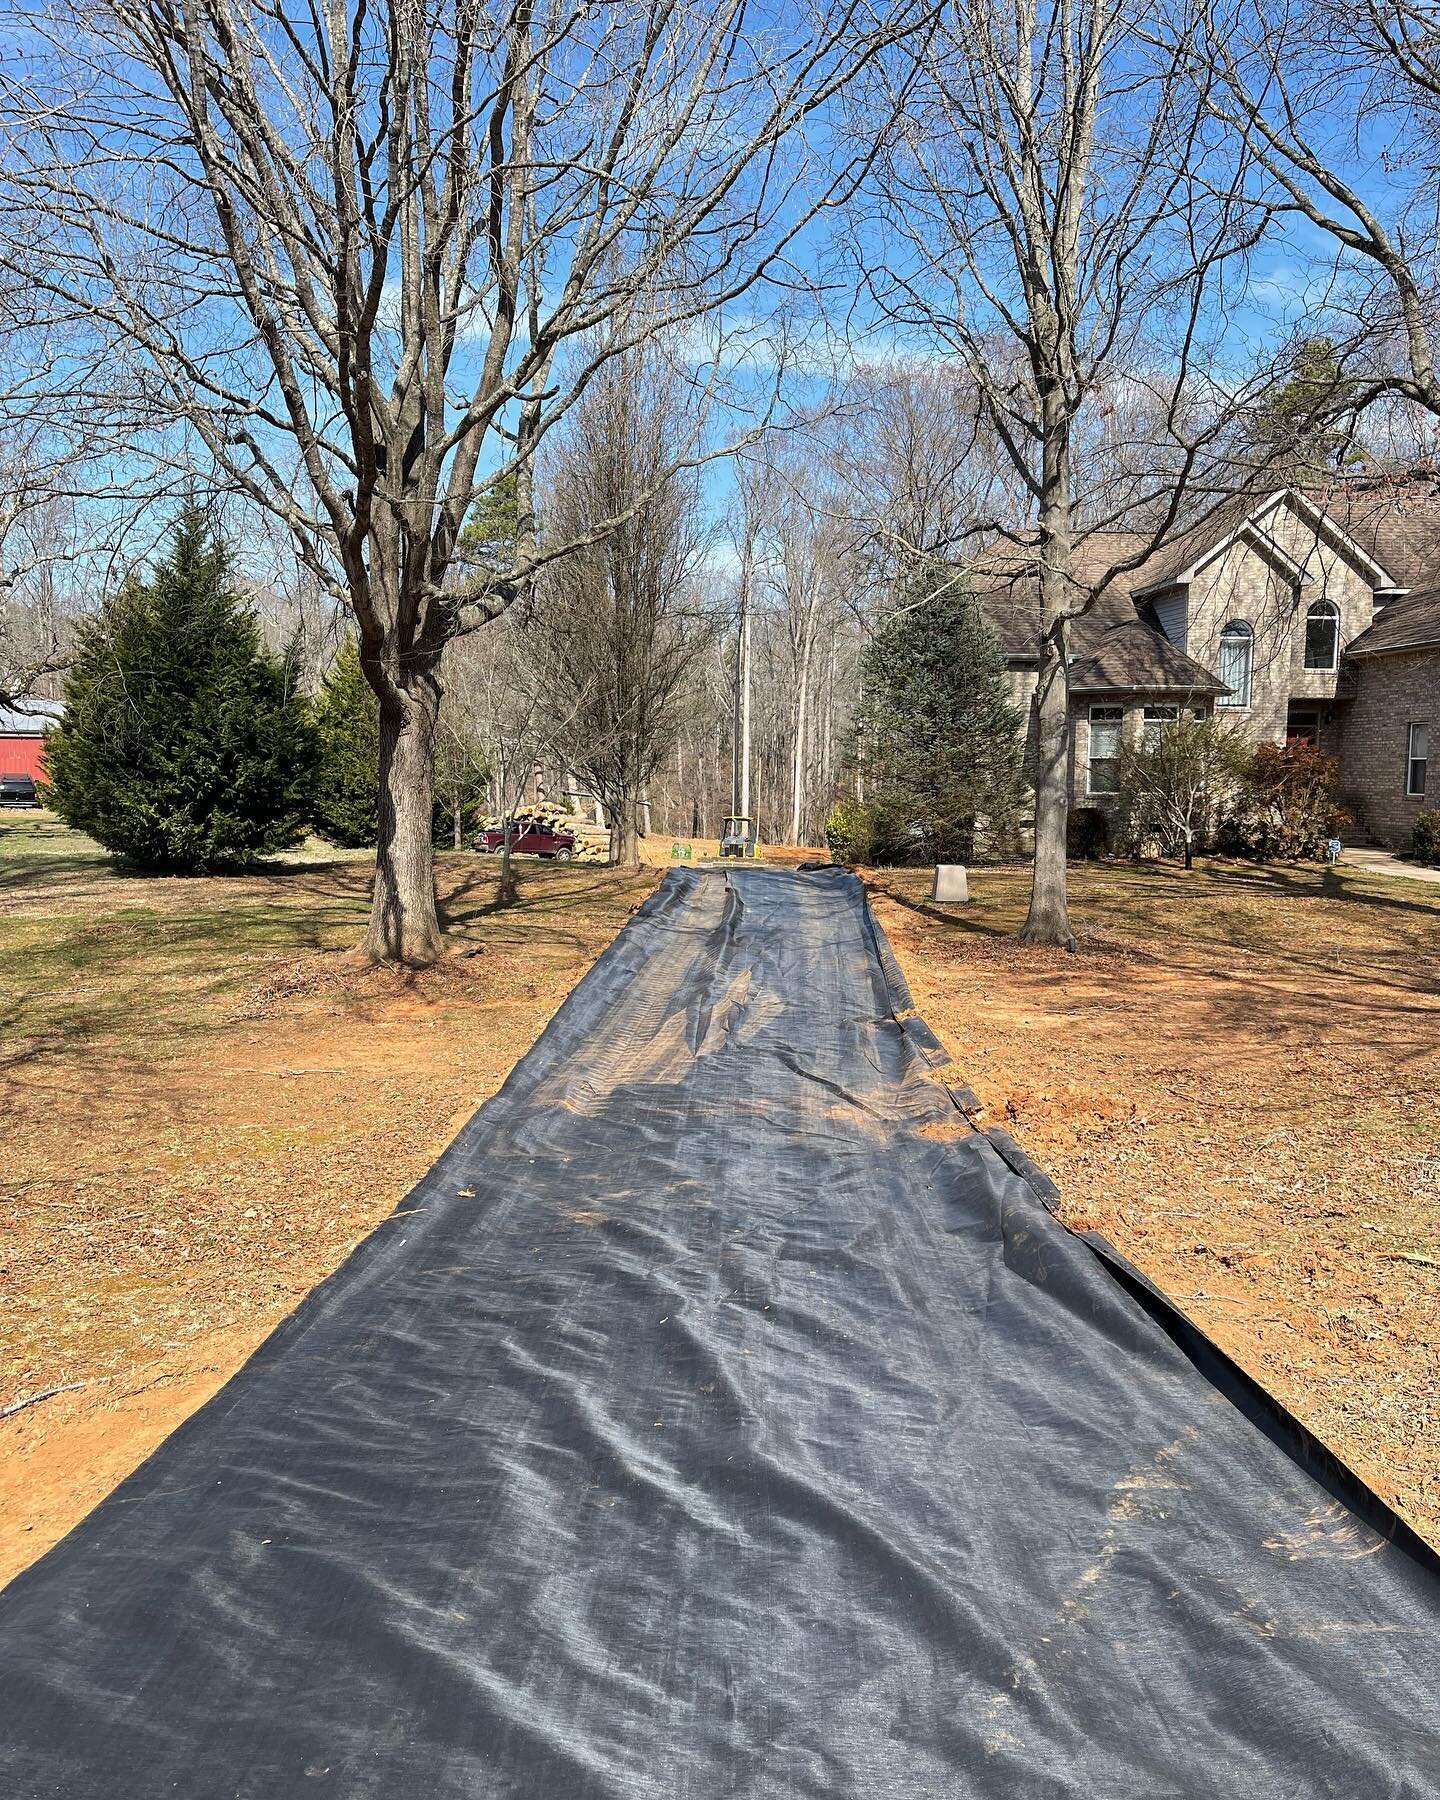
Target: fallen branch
x,y
16,1406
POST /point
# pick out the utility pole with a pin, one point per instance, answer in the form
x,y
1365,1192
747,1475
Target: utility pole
x,y
740,754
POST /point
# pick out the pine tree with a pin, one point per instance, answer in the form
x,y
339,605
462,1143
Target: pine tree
x,y
347,724
940,738
185,745
1301,429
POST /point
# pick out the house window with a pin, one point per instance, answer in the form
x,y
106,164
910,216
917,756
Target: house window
x,y
1322,636
1237,655
1106,725
1156,719
1418,755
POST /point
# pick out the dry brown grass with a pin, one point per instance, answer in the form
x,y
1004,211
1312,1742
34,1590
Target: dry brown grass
x,y
207,1105
1237,1080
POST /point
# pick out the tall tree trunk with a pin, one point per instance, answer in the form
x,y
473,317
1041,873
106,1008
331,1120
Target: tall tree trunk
x,y
802,722
743,797
507,889
860,747
624,833
404,925
1048,921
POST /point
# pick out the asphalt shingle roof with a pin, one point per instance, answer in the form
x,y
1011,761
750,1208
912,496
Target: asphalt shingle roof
x,y
1393,518
1410,622
1132,656
1111,646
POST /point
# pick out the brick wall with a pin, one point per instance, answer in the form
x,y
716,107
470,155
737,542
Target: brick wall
x,y
1391,693
1243,584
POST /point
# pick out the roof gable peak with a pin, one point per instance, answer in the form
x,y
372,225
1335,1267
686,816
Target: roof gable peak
x,y
1202,546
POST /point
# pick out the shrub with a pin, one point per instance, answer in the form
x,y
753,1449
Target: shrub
x,y
1288,804
1425,839
185,745
848,833
1175,782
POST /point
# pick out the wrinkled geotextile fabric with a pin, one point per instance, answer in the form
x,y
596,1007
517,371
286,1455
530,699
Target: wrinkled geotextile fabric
x,y
721,1417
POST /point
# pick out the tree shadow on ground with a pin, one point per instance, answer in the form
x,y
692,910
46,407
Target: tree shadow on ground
x,y
461,904
1228,968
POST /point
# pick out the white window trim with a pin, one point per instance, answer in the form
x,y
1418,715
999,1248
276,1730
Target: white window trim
x,y
1108,715
1228,701
1414,793
1333,615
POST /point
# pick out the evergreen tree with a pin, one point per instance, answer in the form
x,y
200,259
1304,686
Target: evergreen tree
x,y
347,724
346,808
185,745
940,738
1300,427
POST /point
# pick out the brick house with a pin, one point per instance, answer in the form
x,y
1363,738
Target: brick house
x,y
1295,614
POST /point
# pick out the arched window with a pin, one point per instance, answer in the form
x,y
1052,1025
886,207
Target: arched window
x,y
1237,655
1322,636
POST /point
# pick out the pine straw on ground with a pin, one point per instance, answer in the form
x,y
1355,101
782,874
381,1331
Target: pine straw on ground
x,y
1236,1079
207,1105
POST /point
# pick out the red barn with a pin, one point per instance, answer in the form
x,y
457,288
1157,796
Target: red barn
x,y
22,736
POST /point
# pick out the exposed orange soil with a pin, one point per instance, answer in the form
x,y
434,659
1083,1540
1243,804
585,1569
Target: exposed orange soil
x,y
1236,1079
206,1106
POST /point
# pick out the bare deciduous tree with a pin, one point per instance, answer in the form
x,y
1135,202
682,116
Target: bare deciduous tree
x,y
342,247
1300,86
1051,215
617,624
1175,777
804,577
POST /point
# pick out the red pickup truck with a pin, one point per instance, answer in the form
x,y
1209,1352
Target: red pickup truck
x,y
529,837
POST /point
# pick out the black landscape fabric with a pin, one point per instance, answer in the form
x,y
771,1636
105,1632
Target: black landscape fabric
x,y
722,1416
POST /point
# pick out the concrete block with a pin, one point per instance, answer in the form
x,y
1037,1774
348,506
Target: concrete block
x,y
952,885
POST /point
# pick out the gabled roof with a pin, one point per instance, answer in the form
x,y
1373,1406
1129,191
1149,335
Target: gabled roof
x,y
1410,623
1006,581
1395,515
1388,524
1133,656
1111,647
1245,519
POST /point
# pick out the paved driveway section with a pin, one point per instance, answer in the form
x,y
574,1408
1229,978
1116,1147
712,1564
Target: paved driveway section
x,y
723,1417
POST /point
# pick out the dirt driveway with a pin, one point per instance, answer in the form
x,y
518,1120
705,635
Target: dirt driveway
x,y
721,1414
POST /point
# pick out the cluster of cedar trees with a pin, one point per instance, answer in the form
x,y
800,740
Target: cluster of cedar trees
x,y
188,746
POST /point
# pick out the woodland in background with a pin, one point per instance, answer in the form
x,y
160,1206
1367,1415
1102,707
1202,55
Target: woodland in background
x,y
902,280
611,686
